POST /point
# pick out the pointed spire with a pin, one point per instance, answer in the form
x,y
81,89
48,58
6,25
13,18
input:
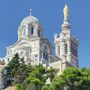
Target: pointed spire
x,y
30,12
66,12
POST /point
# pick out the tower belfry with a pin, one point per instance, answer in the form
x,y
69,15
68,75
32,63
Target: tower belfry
x,y
66,46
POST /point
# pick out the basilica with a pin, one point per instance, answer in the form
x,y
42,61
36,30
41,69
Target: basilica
x,y
36,49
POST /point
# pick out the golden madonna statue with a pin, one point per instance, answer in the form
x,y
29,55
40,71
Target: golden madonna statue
x,y
66,12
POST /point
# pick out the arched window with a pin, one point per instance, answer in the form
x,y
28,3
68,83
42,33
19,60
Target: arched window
x,y
32,30
59,50
66,48
45,53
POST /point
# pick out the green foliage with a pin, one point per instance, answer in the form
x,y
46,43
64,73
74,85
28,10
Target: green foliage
x,y
84,83
13,65
51,73
45,87
18,70
27,77
30,87
33,80
72,78
36,77
18,87
77,79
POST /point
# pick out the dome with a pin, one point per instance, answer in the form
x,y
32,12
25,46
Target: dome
x,y
29,19
29,27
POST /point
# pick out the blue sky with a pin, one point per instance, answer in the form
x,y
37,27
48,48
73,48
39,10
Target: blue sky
x,y
50,15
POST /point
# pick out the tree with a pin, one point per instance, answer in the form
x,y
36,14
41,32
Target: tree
x,y
36,77
13,65
73,79
84,83
57,84
71,76
51,73
17,70
27,77
31,87
11,69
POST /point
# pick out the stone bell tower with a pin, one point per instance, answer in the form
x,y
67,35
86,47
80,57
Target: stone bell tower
x,y
66,46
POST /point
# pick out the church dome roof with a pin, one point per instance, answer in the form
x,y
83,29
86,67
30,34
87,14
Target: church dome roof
x,y
29,19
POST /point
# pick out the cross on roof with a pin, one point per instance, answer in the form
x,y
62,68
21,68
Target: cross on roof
x,y
30,12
